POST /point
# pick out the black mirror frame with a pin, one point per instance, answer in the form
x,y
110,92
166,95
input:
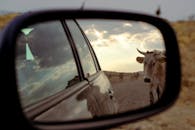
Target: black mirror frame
x,y
12,107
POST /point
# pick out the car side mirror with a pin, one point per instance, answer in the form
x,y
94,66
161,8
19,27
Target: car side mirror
x,y
70,69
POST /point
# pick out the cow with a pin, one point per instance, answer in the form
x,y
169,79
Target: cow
x,y
154,72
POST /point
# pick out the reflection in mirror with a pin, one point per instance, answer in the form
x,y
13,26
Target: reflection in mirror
x,y
58,75
132,55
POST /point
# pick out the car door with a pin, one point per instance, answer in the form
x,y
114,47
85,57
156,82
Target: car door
x,y
99,95
58,75
48,75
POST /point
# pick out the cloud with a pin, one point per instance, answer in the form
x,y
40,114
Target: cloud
x,y
48,44
95,32
127,25
145,40
103,33
36,84
115,44
69,69
97,37
151,40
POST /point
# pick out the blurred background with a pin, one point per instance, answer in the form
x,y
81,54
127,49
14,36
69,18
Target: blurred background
x,y
181,16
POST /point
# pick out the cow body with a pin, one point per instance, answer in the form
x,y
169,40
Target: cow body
x,y
154,72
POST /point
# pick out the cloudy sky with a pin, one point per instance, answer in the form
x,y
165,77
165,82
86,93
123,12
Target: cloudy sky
x,y
171,9
115,42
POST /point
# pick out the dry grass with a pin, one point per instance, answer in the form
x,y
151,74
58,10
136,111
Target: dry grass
x,y
4,19
186,37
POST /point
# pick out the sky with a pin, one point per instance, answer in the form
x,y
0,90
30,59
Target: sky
x,y
115,42
172,10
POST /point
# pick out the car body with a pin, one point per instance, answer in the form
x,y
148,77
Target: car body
x,y
66,72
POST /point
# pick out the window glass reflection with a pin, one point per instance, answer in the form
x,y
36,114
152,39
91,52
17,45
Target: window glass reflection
x,y
44,62
83,49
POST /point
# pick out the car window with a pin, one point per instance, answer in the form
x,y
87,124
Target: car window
x,y
44,62
83,49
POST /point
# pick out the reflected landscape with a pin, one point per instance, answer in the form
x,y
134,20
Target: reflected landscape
x,y
116,46
59,78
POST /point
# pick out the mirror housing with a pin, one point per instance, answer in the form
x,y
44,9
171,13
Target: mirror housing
x,y
12,105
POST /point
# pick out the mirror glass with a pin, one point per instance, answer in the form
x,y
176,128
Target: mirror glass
x,y
80,69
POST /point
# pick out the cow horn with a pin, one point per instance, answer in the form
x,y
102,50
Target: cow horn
x,y
143,53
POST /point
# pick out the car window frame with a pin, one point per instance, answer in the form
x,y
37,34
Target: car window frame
x,y
43,100
92,53
34,110
78,64
98,68
48,102
74,50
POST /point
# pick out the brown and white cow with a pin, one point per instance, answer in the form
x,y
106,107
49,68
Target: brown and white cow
x,y
154,72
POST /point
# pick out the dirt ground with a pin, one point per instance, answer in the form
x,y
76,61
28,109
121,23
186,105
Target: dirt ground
x,y
131,94
181,116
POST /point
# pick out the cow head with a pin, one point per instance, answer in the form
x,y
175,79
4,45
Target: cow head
x,y
151,61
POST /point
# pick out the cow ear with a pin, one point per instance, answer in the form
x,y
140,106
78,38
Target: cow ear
x,y
140,59
162,59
